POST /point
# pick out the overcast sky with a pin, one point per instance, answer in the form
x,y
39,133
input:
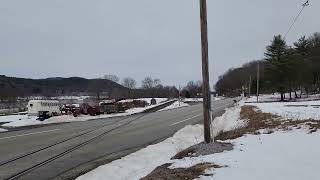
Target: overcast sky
x,y
91,38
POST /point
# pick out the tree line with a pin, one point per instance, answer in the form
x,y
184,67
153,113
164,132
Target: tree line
x,y
12,88
152,87
285,69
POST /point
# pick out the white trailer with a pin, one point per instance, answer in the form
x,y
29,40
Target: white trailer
x,y
52,106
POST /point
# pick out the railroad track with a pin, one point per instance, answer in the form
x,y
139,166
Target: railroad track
x,y
67,151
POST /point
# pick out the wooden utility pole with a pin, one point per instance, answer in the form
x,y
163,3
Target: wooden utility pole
x,y
205,72
258,76
179,95
250,86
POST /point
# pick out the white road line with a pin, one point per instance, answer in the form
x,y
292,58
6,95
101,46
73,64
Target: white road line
x,y
185,120
29,134
215,108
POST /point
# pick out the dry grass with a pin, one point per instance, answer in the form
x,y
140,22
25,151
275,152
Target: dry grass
x,y
203,149
185,153
257,120
165,173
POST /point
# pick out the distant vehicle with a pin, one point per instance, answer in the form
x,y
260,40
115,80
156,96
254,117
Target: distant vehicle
x,y
108,106
94,110
69,109
36,106
91,110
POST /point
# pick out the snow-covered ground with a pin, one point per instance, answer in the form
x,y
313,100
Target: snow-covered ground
x,y
276,97
3,130
280,155
175,105
25,120
200,99
11,118
302,110
217,98
192,100
229,120
140,163
57,97
148,100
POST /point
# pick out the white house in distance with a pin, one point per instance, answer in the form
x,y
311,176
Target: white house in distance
x,y
34,106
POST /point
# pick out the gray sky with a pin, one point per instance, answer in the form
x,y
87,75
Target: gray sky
x,y
48,38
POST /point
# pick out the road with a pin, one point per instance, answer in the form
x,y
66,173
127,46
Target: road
x,y
64,151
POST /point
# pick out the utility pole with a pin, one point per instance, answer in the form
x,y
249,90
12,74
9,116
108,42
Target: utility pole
x,y
179,95
249,86
258,76
205,72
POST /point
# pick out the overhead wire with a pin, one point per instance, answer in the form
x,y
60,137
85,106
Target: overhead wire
x,y
304,5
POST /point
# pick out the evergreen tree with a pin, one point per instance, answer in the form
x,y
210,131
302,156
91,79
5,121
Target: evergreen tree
x,y
278,65
302,46
302,68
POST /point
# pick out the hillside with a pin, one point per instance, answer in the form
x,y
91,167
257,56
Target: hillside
x,y
14,87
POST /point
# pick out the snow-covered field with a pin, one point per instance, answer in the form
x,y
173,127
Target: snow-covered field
x,y
57,97
301,110
280,155
25,120
276,97
175,105
148,100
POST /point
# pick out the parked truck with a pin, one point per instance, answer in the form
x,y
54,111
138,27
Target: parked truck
x,y
51,107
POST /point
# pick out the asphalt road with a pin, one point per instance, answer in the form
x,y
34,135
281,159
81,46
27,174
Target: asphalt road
x,y
64,151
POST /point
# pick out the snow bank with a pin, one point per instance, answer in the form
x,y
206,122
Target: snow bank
x,y
192,99
11,118
217,98
142,162
292,110
175,105
229,120
3,130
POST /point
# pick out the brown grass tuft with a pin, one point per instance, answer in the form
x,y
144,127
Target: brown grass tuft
x,y
165,173
185,153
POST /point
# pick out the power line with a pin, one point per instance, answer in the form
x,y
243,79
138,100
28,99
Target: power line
x,y
297,17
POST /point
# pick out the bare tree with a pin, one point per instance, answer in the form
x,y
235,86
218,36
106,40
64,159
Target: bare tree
x,y
112,77
194,88
147,83
157,83
129,83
